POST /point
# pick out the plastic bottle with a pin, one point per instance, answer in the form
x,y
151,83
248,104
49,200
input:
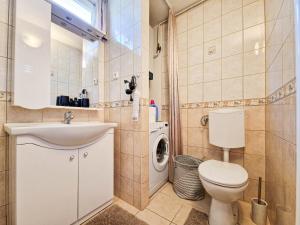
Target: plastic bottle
x,y
152,104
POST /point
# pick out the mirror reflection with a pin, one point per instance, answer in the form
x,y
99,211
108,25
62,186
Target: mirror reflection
x,y
74,69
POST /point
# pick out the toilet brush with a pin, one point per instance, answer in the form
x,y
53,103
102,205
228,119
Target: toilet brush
x,y
259,191
259,207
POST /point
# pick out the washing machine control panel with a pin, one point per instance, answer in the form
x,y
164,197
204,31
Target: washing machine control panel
x,y
156,126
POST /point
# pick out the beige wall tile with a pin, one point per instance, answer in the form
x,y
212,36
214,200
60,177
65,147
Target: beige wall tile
x,y
232,89
232,66
137,169
255,142
212,91
181,22
212,70
182,59
254,38
127,165
212,50
230,5
3,154
184,117
254,14
232,44
254,118
183,76
195,17
21,115
195,55
195,137
3,212
232,22
254,62
195,36
254,86
194,117
126,190
140,144
97,115
183,95
195,93
182,41
184,136
255,166
212,29
212,10
127,142
195,74
3,188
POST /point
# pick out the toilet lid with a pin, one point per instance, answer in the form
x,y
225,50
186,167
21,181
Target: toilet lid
x,y
223,173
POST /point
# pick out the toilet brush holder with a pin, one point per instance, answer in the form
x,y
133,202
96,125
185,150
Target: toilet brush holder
x,y
259,211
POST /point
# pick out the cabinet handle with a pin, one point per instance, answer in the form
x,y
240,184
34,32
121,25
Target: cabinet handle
x,y
85,154
72,157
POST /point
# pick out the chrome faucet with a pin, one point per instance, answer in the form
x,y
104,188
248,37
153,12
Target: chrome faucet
x,y
68,116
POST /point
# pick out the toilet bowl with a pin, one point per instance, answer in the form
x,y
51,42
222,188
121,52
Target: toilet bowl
x,y
225,183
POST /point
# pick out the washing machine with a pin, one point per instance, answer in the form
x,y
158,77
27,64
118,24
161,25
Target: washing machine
x,y
158,155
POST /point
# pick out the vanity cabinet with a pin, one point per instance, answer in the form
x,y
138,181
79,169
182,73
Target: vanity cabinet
x,y
46,181
59,185
95,175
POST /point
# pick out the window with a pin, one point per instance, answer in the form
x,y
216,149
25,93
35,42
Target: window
x,y
84,9
86,18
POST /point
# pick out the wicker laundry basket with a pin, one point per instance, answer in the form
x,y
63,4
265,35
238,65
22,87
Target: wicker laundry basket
x,y
187,184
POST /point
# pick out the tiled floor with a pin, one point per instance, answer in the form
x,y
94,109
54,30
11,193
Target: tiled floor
x,y
166,208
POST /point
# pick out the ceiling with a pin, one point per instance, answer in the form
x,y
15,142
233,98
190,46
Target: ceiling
x,y
179,5
159,9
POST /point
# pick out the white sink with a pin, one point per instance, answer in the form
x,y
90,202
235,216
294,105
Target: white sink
x,y
74,134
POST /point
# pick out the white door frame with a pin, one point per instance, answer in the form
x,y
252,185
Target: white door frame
x,y
297,63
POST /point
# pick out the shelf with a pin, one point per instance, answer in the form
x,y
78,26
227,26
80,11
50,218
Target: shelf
x,y
74,108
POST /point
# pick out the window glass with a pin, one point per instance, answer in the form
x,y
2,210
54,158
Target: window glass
x,y
84,9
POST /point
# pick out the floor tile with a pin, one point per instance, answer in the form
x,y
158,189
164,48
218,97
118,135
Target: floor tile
x,y
165,206
129,208
182,215
151,218
201,205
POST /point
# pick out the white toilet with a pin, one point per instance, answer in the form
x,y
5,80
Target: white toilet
x,y
224,181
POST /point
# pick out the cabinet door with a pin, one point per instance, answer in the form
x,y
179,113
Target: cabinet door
x,y
46,185
32,54
95,175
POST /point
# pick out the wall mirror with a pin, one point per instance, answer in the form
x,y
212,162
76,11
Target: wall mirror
x,y
74,68
57,52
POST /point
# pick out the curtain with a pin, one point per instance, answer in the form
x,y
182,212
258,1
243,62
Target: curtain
x,y
174,107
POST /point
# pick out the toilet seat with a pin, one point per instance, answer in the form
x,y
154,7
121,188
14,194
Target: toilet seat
x,y
223,173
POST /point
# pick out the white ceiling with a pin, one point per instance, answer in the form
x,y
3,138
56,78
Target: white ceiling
x,y
178,5
159,9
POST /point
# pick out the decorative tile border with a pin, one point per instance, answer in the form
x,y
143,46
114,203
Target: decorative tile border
x,y
125,103
218,104
286,90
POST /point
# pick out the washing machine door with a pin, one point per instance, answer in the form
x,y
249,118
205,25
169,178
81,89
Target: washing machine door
x,y
160,152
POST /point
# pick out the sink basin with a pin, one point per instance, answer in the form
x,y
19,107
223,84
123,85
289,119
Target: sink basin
x,y
74,134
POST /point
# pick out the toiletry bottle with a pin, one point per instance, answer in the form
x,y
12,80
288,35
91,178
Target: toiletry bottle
x,y
152,104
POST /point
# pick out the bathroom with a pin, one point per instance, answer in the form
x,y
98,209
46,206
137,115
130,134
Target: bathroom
x,y
84,86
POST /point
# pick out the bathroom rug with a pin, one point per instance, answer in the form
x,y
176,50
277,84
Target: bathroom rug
x,y
196,218
114,215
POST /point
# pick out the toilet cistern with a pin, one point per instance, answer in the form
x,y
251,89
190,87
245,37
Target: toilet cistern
x,y
227,129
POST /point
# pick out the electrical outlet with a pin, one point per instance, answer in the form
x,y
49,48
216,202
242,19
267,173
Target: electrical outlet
x,y
115,75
